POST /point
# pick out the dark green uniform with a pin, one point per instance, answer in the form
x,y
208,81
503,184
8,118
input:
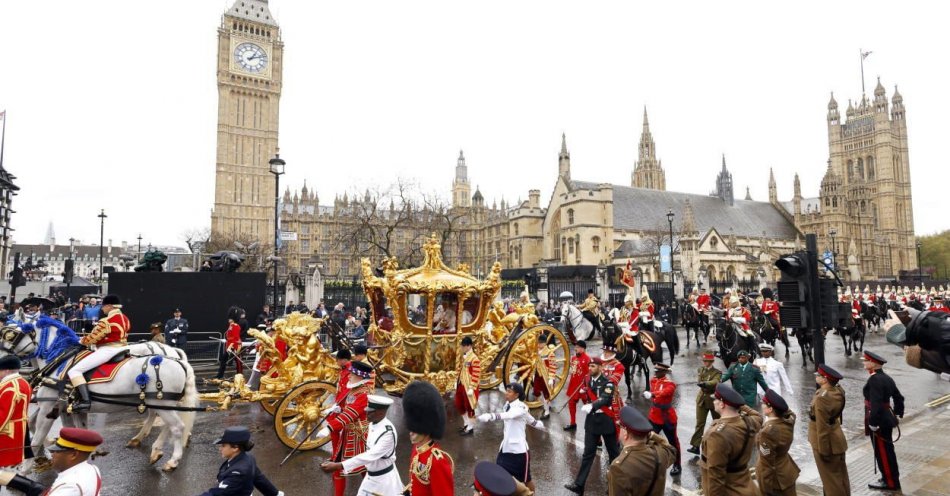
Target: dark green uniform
x,y
708,379
744,378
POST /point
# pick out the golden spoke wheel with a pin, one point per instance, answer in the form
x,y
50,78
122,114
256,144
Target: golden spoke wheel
x,y
525,364
491,381
300,412
270,404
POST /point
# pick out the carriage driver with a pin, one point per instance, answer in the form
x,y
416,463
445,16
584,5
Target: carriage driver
x,y
107,338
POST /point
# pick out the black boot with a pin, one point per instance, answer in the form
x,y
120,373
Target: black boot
x,y
84,403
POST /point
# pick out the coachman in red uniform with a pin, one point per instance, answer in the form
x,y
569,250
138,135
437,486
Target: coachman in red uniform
x,y
467,386
613,370
430,469
108,337
15,395
346,422
662,414
545,375
577,384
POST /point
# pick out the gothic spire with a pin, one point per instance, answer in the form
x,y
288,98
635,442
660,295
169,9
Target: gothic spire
x,y
689,219
646,121
564,144
564,160
748,195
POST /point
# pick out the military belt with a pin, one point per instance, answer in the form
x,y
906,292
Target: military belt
x,y
380,472
729,468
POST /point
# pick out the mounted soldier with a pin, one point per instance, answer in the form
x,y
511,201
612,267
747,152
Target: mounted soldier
x,y
591,310
108,338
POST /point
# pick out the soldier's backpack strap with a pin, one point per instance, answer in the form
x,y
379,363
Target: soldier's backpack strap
x,y
656,471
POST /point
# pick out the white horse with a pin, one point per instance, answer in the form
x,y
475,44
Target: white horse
x,y
582,328
149,361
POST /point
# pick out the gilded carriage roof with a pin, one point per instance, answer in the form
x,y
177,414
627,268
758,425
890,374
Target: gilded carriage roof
x,y
432,276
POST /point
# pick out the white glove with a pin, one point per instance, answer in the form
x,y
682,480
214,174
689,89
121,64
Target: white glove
x,y
322,433
551,382
332,409
280,493
739,320
539,426
873,428
485,417
647,394
470,391
501,387
587,408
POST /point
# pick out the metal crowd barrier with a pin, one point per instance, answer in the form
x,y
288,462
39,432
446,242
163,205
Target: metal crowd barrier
x,y
202,347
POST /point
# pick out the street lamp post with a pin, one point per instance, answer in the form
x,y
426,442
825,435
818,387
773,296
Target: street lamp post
x,y
139,253
920,269
68,274
669,217
277,165
834,253
102,234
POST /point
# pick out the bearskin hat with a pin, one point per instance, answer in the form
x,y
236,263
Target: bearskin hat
x,y
424,409
111,300
767,293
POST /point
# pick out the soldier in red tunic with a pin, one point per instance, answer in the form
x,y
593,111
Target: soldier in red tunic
x,y
346,422
613,370
466,388
662,414
430,468
15,395
577,384
107,338
770,308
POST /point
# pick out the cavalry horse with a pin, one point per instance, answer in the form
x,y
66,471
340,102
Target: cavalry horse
x,y
769,333
576,326
160,372
635,347
804,337
852,336
731,341
697,322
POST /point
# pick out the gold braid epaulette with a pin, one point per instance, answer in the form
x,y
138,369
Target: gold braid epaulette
x,y
102,329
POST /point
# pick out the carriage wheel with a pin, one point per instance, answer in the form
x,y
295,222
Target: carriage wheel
x,y
491,381
300,411
270,404
521,363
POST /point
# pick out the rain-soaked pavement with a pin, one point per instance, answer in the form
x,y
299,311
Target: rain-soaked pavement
x,y
555,455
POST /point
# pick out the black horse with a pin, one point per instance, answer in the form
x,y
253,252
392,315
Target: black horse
x,y
804,337
633,350
731,341
694,320
852,335
873,315
770,334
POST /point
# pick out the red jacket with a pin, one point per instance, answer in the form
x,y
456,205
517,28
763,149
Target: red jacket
x,y
112,330
703,301
232,337
15,396
614,370
348,427
430,471
662,410
770,308
635,320
744,312
580,370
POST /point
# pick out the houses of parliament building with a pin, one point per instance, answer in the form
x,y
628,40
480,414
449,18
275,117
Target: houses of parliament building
x,y
865,196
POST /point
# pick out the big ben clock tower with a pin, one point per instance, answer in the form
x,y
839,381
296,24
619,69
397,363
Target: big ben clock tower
x,y
250,63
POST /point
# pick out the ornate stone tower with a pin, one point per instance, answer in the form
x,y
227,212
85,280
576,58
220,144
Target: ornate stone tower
x,y
648,172
724,184
250,63
564,160
461,189
870,170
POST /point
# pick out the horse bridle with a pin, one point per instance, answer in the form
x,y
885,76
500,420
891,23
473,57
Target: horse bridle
x,y
14,336
580,315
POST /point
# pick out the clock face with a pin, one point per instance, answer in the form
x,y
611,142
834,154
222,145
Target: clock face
x,y
250,57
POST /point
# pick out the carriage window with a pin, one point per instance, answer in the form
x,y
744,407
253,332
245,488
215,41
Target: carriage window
x,y
417,305
445,314
381,315
470,309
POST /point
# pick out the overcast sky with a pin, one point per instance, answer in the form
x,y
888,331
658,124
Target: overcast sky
x,y
113,104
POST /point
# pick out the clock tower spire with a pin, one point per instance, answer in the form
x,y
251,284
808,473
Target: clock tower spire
x,y
249,74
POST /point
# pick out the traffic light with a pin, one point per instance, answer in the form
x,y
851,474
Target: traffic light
x,y
794,290
833,312
17,278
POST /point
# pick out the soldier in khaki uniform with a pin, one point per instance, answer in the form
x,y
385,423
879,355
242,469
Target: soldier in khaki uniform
x,y
775,469
640,470
824,433
709,377
727,446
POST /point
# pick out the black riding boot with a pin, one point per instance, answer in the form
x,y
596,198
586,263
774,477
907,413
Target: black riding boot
x,y
84,403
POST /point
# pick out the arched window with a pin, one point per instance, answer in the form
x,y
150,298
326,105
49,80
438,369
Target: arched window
x,y
827,202
850,168
570,216
516,228
861,168
595,244
864,206
714,243
870,167
570,245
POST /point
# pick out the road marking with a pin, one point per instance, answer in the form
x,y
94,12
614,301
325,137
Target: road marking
x,y
682,490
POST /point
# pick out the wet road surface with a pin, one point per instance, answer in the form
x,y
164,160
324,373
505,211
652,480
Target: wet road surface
x,y
555,454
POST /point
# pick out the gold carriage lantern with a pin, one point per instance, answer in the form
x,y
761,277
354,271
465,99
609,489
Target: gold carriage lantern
x,y
420,316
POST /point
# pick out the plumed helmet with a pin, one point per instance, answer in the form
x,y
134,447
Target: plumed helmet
x,y
628,298
423,409
644,293
735,301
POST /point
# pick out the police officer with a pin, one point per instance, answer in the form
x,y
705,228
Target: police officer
x,y
239,474
640,470
827,440
880,419
744,377
600,423
727,446
775,469
708,378
70,454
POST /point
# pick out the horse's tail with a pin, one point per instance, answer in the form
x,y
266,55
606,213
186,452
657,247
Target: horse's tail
x,y
673,340
189,399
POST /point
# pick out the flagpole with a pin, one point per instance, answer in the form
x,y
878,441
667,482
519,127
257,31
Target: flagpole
x,y
861,54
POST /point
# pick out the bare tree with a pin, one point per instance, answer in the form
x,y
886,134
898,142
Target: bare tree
x,y
446,223
196,238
